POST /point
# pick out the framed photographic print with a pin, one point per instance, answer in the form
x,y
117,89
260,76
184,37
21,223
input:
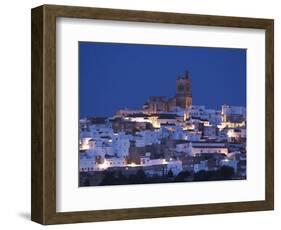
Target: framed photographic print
x,y
141,114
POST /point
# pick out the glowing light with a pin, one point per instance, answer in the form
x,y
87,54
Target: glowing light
x,y
132,165
230,133
154,121
84,147
103,165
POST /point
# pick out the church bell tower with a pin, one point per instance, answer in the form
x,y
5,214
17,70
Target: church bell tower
x,y
183,91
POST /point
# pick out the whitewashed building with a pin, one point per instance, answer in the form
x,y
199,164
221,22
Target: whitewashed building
x,y
121,145
87,163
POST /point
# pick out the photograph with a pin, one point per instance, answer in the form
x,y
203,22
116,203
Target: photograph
x,y
161,114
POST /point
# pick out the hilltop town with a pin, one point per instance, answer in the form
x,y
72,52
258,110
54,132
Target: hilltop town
x,y
166,140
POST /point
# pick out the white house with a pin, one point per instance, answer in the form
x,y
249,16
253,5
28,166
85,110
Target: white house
x,y
121,145
184,147
87,164
231,163
202,165
209,147
175,166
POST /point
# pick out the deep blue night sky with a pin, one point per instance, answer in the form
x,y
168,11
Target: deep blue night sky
x,y
114,76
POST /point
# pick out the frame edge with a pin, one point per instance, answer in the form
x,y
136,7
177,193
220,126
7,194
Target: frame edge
x,y
37,189
269,122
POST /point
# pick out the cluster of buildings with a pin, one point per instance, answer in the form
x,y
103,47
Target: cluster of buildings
x,y
166,135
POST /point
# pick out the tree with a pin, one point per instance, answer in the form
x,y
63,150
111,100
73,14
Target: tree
x,y
170,173
140,177
87,182
203,175
181,176
108,178
121,179
226,172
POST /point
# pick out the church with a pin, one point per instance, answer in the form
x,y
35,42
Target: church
x,y
182,99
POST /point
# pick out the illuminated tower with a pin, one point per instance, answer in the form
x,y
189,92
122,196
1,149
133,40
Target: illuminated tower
x,y
183,92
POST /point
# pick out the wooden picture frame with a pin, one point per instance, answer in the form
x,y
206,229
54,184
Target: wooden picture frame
x,y
43,208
